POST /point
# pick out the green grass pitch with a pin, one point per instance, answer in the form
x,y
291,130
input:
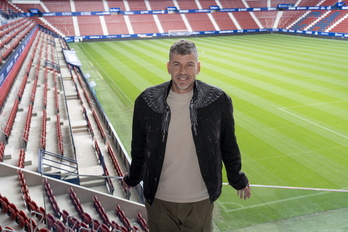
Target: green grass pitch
x,y
290,96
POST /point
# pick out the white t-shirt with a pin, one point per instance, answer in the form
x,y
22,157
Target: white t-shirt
x,y
181,179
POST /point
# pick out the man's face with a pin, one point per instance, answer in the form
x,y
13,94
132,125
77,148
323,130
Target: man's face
x,y
183,70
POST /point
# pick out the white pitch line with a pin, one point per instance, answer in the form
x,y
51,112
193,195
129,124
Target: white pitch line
x,y
315,124
222,204
316,104
100,75
298,188
323,191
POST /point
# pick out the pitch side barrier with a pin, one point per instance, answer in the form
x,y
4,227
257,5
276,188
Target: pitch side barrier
x,y
172,10
315,33
69,39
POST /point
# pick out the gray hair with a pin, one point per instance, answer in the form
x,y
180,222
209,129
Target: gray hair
x,y
183,47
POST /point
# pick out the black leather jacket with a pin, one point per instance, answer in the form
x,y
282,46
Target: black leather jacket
x,y
213,133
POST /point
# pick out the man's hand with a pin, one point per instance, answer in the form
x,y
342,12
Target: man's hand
x,y
125,185
244,193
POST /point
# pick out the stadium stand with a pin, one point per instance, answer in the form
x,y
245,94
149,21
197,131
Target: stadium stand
x,y
143,24
267,19
136,5
116,4
172,22
232,4
42,85
88,25
306,20
129,24
2,151
26,130
325,22
63,24
95,5
62,5
201,22
341,25
116,24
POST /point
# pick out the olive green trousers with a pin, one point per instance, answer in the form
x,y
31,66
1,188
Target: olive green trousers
x,y
166,216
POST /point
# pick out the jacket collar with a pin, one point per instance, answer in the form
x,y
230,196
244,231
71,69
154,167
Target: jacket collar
x,y
203,95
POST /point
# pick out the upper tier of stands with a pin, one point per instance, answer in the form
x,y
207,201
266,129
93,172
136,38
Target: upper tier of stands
x,y
137,24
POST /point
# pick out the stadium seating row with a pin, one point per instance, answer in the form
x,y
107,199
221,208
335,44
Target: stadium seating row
x,y
10,121
52,199
44,112
31,205
87,220
21,160
58,122
101,159
117,167
114,161
89,100
56,95
142,222
45,89
101,211
26,130
76,202
121,215
23,186
38,65
43,129
89,125
100,127
22,87
59,136
2,151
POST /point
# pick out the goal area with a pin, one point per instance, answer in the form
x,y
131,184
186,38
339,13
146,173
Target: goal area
x,y
179,33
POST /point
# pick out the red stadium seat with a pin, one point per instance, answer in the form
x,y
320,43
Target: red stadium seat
x,y
21,219
74,223
43,230
12,211
104,228
4,203
59,227
86,218
65,216
31,225
50,220
142,222
2,151
7,228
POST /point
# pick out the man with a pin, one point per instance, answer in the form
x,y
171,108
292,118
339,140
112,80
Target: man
x,y
183,130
